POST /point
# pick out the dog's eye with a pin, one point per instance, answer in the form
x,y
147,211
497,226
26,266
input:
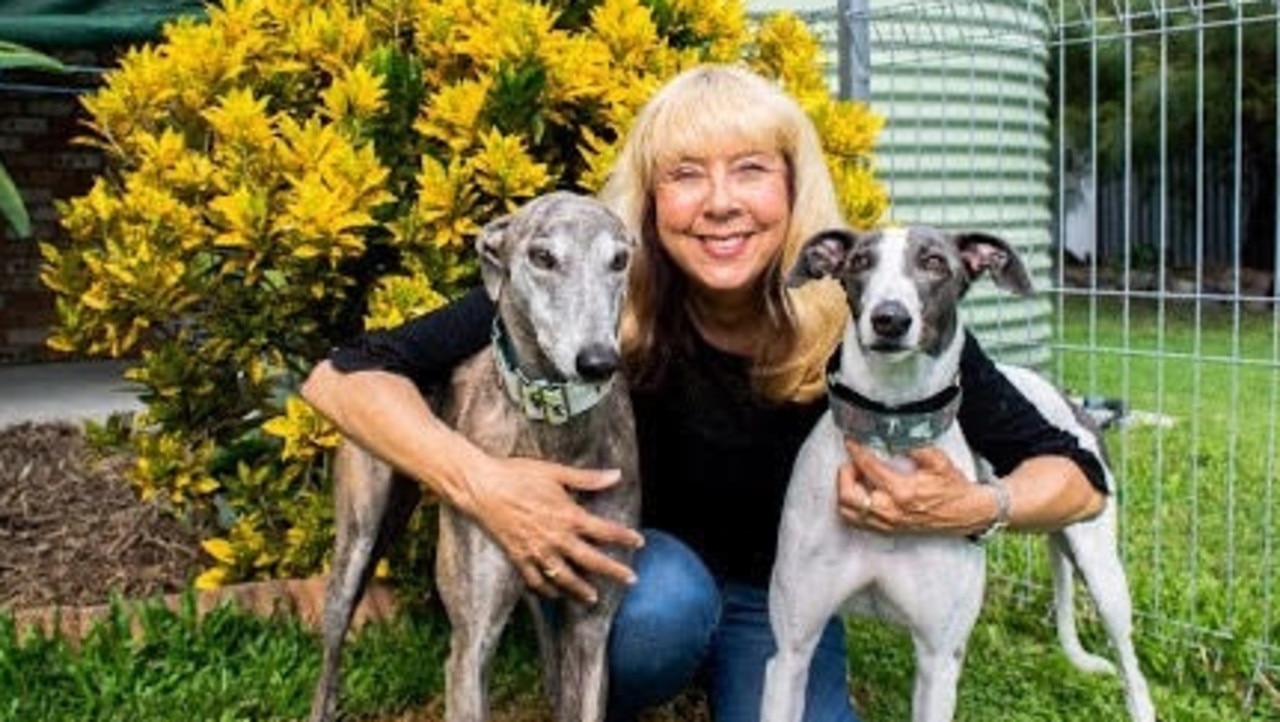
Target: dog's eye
x,y
542,258
860,261
619,262
933,263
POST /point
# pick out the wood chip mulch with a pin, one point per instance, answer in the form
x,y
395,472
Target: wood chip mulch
x,y
72,530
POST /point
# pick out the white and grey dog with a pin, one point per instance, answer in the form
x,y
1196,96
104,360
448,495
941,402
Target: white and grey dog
x,y
896,388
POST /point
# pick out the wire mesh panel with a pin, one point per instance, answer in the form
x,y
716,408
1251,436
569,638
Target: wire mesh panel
x,y
1164,122
1129,148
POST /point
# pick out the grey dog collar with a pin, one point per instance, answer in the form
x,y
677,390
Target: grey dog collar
x,y
554,402
894,429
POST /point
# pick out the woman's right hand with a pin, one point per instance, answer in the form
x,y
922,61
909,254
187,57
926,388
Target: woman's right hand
x,y
527,506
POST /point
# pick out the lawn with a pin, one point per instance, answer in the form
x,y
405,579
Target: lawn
x,y
1199,518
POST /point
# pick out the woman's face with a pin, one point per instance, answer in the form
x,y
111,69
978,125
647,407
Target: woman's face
x,y
723,215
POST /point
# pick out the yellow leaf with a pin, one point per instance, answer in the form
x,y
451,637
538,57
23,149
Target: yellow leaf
x,y
220,549
212,579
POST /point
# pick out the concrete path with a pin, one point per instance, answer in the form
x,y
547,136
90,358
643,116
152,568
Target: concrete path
x,y
71,391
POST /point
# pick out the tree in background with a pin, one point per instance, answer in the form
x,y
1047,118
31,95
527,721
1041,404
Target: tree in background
x,y
288,172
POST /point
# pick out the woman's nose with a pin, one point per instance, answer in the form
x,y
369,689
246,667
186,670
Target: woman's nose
x,y
721,196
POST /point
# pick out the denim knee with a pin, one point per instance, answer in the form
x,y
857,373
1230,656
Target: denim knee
x,y
662,633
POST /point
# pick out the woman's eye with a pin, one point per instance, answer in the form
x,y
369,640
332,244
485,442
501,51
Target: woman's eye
x,y
542,258
619,262
682,173
757,165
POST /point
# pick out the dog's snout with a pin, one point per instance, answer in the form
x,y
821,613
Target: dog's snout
x,y
597,362
891,320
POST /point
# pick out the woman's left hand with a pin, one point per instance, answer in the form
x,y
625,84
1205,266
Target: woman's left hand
x,y
934,497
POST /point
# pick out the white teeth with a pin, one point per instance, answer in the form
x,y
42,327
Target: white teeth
x,y
723,240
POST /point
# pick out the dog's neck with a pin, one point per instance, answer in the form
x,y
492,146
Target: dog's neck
x,y
894,404
521,369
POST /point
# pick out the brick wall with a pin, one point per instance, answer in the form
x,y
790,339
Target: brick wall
x,y
39,116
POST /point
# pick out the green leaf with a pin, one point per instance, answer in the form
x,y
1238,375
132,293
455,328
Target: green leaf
x,y
13,56
12,207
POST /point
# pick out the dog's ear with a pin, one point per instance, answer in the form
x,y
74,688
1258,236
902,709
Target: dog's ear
x,y
982,252
821,256
490,247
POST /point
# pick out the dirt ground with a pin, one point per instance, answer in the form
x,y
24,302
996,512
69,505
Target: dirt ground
x,y
73,532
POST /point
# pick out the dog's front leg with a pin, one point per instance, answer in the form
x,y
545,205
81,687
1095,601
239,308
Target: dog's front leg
x,y
937,683
786,675
583,686
479,587
940,604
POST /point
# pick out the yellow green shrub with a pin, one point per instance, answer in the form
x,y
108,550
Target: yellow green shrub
x,y
287,173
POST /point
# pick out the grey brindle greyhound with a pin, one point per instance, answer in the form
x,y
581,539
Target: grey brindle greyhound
x,y
548,387
896,388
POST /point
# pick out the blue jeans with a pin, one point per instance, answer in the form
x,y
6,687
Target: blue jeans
x,y
678,626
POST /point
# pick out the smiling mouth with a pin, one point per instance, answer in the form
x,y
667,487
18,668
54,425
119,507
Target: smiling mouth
x,y
724,246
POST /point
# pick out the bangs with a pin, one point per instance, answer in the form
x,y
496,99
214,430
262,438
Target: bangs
x,y
698,123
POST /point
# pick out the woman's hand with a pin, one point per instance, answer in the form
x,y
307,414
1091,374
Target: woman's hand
x,y
934,497
527,507
1046,493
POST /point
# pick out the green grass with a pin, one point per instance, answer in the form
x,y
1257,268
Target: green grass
x,y
232,666
1200,513
1200,498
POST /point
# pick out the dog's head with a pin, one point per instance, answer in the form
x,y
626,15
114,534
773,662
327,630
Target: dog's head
x,y
904,284
557,268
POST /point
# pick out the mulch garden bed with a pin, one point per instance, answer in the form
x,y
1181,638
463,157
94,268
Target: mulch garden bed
x,y
74,537
72,530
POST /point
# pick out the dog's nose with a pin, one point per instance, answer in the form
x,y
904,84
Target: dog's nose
x,y
597,362
890,320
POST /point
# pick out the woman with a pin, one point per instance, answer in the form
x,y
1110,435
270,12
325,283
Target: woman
x,y
722,178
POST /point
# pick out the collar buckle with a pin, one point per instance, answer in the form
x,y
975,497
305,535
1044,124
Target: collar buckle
x,y
554,402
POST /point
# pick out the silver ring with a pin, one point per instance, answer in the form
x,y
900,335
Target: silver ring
x,y
550,573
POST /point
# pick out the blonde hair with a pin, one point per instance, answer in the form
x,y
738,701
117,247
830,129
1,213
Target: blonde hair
x,y
696,110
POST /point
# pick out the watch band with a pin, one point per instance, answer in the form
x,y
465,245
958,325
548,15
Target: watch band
x,y
1003,507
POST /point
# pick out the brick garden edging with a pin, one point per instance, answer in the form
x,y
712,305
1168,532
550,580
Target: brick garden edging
x,y
299,598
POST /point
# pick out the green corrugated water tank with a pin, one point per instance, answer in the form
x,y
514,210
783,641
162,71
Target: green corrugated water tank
x,y
963,87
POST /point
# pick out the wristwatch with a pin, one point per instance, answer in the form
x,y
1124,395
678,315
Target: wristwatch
x,y
1003,505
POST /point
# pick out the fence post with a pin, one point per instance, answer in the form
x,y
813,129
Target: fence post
x,y
854,49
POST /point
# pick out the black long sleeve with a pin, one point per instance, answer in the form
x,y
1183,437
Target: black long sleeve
x,y
1004,428
428,348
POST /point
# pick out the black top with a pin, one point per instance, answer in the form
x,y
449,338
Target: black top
x,y
714,457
